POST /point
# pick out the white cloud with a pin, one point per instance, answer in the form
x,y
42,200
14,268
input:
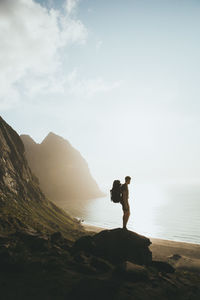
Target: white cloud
x,y
71,5
69,85
88,87
31,37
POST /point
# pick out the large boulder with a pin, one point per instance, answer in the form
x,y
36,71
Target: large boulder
x,y
117,246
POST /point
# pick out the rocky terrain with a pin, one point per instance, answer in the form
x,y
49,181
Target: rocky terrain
x,y
38,266
46,254
63,174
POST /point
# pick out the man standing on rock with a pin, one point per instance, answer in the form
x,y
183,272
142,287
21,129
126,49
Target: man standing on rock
x,y
124,202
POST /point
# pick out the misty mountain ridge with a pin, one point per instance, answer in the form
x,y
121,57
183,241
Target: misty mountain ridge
x,y
63,173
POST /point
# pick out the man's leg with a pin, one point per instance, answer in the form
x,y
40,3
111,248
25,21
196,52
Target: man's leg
x,y
125,217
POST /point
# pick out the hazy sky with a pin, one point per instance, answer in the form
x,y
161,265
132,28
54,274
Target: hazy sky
x,y
118,79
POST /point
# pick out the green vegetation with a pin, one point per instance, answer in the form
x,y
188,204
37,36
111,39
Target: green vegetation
x,y
42,217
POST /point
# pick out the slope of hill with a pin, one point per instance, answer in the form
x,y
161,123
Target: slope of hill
x,y
63,173
38,263
22,203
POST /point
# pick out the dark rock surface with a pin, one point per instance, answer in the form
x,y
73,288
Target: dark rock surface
x,y
132,272
44,266
175,257
63,173
163,267
93,288
116,245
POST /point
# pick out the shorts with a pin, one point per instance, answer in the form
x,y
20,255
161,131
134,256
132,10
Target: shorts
x,y
125,206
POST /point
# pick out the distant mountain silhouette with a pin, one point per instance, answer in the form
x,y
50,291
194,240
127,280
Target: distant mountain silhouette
x,y
63,173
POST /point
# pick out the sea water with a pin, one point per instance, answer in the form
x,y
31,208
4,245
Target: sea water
x,y
166,211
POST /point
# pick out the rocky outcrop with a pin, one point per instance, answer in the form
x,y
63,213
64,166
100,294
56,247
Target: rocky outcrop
x,y
63,173
22,203
50,266
117,246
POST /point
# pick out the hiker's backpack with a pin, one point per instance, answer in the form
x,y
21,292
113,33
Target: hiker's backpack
x,y
116,193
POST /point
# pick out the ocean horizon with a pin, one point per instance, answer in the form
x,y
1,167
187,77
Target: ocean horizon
x,y
164,211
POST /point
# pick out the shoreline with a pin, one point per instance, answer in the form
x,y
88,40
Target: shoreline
x,y
97,228
164,250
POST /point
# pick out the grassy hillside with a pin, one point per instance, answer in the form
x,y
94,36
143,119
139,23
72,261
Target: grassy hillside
x,y
22,203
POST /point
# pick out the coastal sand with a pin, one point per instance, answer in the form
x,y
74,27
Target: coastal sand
x,y
164,250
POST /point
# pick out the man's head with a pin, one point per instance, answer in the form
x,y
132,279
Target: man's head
x,y
127,179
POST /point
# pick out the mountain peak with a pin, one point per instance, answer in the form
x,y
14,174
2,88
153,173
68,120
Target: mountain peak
x,y
27,139
59,167
51,135
53,138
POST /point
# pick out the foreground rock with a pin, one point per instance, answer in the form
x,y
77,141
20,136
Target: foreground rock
x,y
116,245
47,267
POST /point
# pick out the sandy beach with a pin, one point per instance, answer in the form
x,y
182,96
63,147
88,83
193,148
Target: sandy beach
x,y
184,256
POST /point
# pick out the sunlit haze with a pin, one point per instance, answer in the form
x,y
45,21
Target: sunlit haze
x,y
118,79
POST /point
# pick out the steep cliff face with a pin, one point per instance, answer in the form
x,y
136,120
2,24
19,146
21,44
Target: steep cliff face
x,y
63,173
22,203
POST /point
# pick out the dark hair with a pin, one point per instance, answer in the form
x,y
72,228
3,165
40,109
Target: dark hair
x,y
127,178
